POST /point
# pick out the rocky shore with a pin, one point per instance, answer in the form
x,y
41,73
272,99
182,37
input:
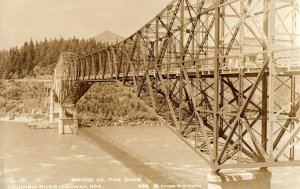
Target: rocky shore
x,y
119,122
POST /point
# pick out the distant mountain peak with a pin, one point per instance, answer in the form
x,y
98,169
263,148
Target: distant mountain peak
x,y
108,36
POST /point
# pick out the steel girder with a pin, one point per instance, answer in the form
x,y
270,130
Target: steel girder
x,y
222,73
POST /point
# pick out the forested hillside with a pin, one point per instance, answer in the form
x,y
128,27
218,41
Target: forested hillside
x,y
103,105
39,58
107,103
25,99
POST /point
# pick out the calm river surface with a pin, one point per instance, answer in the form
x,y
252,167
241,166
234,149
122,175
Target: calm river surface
x,y
106,157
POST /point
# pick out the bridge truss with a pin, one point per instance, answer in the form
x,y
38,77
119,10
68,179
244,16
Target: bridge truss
x,y
221,73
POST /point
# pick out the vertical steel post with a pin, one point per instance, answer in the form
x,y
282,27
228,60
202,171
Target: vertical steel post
x,y
292,126
264,112
293,80
271,37
81,70
240,102
84,69
264,109
156,59
109,63
181,49
99,71
216,81
168,84
114,63
241,80
88,64
222,87
124,62
92,66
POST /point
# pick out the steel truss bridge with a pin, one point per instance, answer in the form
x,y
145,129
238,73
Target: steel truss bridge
x,y
222,74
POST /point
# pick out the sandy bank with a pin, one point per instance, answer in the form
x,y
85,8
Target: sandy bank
x,y
18,119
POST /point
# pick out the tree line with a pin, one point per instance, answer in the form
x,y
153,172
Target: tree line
x,y
40,57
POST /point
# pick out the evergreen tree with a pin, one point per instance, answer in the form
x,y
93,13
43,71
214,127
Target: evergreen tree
x,y
40,57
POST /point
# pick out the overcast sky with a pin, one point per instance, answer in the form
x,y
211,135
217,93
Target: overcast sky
x,y
21,20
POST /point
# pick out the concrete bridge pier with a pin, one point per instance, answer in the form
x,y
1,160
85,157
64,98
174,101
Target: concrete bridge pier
x,y
51,112
60,120
254,179
68,119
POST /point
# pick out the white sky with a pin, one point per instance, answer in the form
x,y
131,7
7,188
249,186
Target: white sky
x,y
21,20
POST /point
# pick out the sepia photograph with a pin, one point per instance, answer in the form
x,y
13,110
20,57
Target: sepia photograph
x,y
149,94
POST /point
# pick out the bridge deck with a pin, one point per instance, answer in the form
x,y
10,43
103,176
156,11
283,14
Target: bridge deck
x,y
248,72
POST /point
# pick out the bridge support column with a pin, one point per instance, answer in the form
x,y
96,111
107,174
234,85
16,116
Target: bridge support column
x,y
61,120
260,179
75,118
51,111
68,119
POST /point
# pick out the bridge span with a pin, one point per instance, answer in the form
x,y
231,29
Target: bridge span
x,y
223,75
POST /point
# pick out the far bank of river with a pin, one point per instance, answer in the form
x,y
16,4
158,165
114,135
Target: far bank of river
x,y
106,157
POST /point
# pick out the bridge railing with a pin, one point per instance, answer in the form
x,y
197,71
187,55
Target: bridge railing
x,y
105,65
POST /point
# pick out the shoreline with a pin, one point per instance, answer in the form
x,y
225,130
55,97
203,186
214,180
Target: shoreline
x,y
29,122
18,119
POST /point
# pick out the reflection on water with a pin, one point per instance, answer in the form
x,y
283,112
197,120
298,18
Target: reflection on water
x,y
114,157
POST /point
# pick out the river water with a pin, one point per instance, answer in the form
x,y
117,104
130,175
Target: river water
x,y
106,157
